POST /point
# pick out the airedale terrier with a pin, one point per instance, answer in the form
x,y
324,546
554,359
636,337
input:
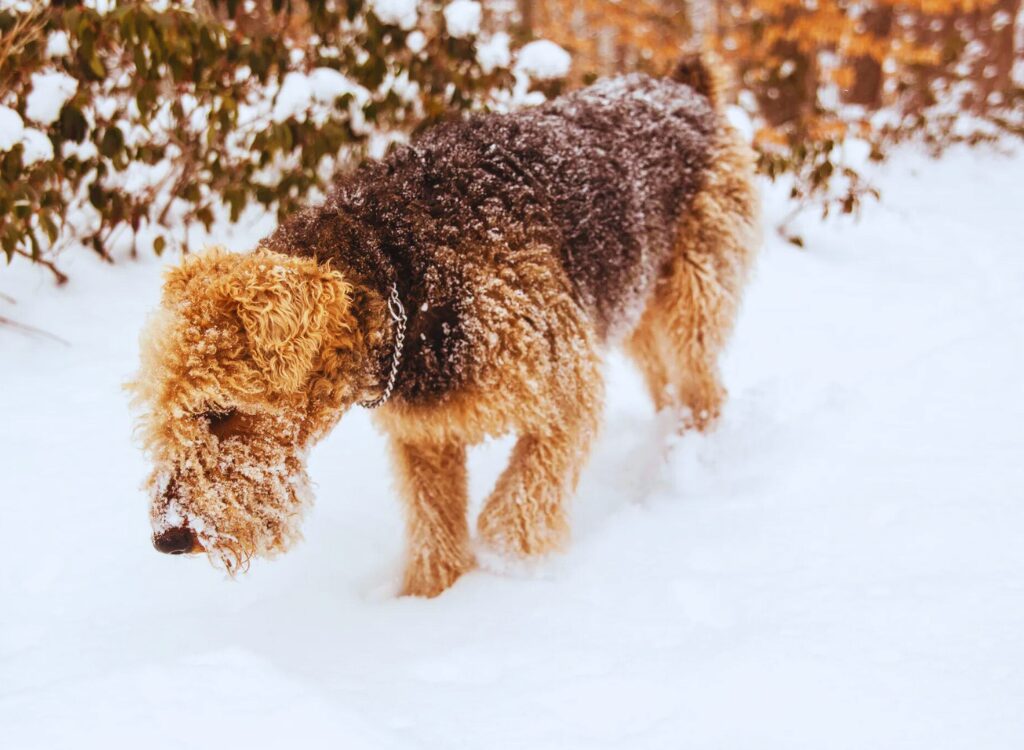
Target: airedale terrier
x,y
466,285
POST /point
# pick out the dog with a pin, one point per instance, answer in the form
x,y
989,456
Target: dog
x,y
463,287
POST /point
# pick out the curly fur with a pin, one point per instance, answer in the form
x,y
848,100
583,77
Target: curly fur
x,y
521,245
272,340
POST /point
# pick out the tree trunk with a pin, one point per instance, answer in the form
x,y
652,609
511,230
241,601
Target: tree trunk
x,y
791,92
994,28
869,77
527,19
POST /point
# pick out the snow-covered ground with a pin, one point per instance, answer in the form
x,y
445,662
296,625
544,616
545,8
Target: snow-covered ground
x,y
840,565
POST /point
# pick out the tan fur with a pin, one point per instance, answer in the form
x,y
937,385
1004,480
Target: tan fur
x,y
274,339
545,386
252,358
692,311
434,485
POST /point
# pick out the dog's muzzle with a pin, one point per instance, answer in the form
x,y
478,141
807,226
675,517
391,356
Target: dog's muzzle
x,y
179,541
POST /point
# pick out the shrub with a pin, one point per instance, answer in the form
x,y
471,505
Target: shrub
x,y
828,85
122,124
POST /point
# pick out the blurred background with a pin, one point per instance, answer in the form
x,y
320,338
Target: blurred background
x,y
125,127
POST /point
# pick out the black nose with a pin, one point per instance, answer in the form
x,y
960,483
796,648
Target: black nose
x,y
175,541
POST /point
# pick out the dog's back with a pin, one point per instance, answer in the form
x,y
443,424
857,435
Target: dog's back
x,y
615,164
600,175
601,178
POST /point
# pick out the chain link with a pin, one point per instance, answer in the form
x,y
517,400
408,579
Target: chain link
x,y
398,316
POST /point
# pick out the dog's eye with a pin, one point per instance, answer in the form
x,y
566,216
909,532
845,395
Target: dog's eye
x,y
219,420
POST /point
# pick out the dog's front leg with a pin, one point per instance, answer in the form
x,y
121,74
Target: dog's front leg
x,y
434,487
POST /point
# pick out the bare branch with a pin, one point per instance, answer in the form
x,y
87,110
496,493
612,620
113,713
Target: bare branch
x,y
32,330
58,274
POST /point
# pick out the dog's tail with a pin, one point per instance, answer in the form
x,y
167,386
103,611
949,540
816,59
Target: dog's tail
x,y
703,73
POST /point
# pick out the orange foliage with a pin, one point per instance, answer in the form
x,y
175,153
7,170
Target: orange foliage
x,y
798,62
607,36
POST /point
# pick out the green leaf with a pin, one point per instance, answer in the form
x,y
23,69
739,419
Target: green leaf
x,y
112,142
97,197
96,66
48,225
72,124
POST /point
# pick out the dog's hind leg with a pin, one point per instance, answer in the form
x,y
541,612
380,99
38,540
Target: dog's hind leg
x,y
692,309
647,348
434,486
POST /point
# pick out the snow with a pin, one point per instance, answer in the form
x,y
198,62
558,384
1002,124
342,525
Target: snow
x,y
416,41
328,84
294,97
462,18
101,6
51,89
400,13
38,147
494,53
57,44
12,128
837,566
35,144
543,60
84,151
299,91
739,119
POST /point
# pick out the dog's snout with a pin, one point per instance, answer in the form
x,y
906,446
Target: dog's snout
x,y
178,541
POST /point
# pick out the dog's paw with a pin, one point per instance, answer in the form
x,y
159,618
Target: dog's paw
x,y
502,564
701,419
702,409
522,535
429,577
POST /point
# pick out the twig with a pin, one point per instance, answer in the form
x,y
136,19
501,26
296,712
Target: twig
x,y
60,276
32,330
27,29
97,244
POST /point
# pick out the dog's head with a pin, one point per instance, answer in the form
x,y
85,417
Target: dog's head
x,y
249,360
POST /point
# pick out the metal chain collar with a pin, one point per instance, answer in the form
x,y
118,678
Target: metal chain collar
x,y
398,316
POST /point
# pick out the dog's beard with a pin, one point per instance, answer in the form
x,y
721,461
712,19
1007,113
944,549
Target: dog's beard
x,y
246,500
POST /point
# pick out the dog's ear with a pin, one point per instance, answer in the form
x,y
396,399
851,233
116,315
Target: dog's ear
x,y
196,273
291,309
